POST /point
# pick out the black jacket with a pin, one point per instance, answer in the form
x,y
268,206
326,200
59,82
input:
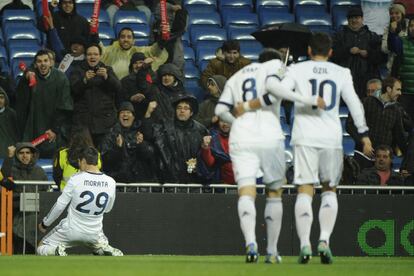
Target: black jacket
x,y
94,101
371,177
177,142
132,162
362,69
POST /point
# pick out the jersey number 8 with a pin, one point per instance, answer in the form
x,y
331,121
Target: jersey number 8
x,y
249,89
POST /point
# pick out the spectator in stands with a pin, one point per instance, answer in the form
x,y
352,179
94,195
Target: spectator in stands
x,y
136,87
94,89
8,124
403,47
7,83
215,86
127,155
69,23
16,5
214,161
381,174
178,142
21,165
398,26
383,117
374,87
45,107
65,162
67,57
233,61
118,55
376,15
177,19
169,87
112,6
358,49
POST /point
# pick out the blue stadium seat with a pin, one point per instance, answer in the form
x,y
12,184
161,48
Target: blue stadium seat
x,y
189,54
309,9
215,44
141,32
339,16
4,65
344,3
17,24
321,29
211,18
343,111
200,8
309,2
205,53
18,16
396,163
241,33
188,3
1,38
348,145
343,124
251,49
269,17
197,92
186,39
243,19
202,65
191,71
226,10
191,83
106,34
236,3
207,33
130,16
47,166
22,34
316,19
273,4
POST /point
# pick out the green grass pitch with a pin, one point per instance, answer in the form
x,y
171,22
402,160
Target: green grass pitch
x,y
199,265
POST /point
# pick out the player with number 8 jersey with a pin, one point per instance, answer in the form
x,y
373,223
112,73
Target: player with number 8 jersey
x,y
89,194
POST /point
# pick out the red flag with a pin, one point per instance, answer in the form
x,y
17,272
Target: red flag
x,y
46,12
40,139
165,26
95,17
32,79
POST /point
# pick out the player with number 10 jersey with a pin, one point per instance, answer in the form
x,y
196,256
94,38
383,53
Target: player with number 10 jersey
x,y
316,127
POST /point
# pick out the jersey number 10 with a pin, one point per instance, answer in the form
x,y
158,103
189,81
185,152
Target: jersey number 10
x,y
319,90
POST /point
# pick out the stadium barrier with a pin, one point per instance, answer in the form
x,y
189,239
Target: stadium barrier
x,y
191,219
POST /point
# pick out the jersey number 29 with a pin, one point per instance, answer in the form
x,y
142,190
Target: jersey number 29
x,y
101,202
319,90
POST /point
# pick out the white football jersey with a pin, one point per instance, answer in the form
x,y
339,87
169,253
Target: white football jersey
x,y
90,196
316,127
249,83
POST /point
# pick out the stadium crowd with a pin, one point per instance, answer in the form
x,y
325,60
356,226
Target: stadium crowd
x,y
130,102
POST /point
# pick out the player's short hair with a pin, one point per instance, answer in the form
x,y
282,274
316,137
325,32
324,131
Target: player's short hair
x,y
90,154
320,44
230,45
388,82
269,54
371,81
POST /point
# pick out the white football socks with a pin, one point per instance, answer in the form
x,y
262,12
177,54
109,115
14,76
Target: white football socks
x,y
327,214
247,215
304,218
273,216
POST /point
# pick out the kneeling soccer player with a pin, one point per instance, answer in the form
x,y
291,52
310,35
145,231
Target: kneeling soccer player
x,y
90,194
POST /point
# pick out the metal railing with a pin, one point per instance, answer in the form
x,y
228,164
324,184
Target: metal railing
x,y
193,188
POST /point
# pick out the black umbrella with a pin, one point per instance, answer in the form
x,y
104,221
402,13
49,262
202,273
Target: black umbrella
x,y
285,35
